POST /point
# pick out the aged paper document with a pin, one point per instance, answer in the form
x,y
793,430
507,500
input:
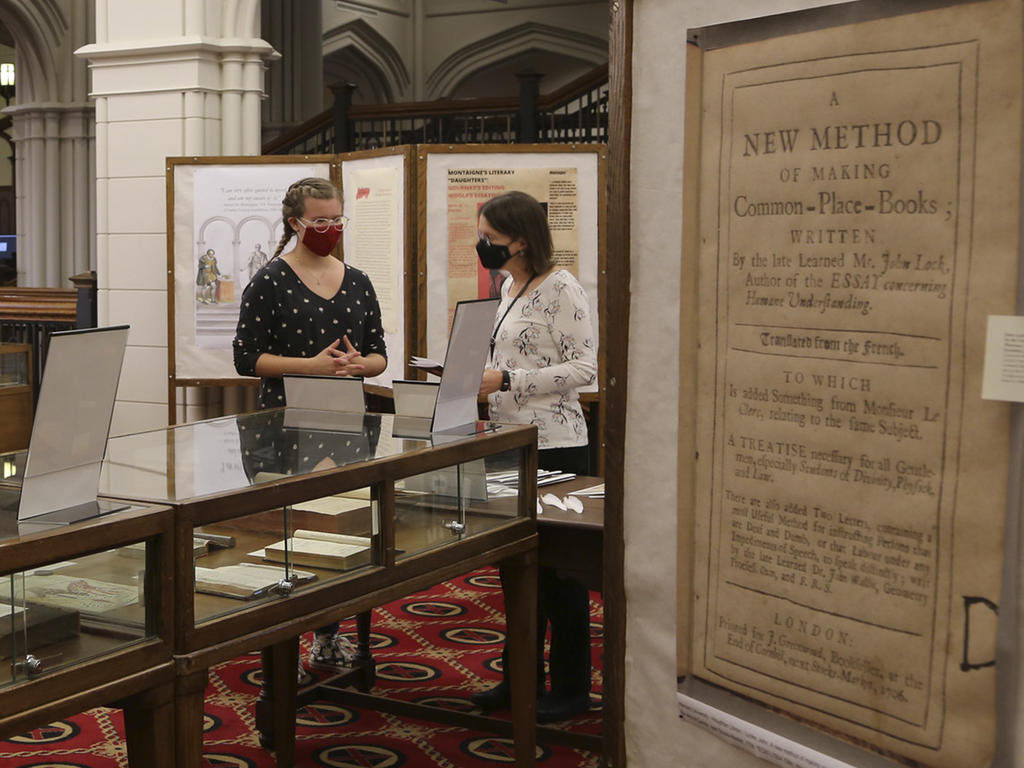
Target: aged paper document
x,y
859,203
469,188
375,244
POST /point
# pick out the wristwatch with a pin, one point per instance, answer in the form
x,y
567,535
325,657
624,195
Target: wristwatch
x,y
506,382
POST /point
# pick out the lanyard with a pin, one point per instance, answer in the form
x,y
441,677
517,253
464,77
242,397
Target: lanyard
x,y
494,334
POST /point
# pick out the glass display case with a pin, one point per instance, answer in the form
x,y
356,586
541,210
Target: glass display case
x,y
66,612
15,396
84,608
285,501
287,519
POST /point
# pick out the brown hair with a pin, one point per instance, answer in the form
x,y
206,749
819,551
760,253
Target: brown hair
x,y
294,203
517,214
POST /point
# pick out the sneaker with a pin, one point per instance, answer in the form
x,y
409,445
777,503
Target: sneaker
x,y
305,678
331,651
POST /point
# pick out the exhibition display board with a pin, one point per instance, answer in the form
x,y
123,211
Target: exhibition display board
x,y
380,204
455,180
223,224
412,229
859,196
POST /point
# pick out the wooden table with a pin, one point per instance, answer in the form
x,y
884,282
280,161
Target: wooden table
x,y
569,542
573,543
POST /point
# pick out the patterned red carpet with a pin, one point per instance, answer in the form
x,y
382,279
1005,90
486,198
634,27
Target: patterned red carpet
x,y
438,645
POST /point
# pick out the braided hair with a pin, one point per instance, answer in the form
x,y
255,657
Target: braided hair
x,y
294,203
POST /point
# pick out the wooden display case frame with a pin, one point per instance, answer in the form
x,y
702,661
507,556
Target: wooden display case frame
x,y
139,678
16,404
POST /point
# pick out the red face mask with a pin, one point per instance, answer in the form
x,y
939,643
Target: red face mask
x,y
321,243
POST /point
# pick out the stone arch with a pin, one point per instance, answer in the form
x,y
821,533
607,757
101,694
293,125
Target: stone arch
x,y
52,111
242,222
359,48
38,28
201,235
484,53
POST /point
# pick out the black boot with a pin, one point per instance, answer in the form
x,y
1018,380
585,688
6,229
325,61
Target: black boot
x,y
498,697
553,708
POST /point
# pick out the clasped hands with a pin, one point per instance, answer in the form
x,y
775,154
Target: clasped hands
x,y
334,361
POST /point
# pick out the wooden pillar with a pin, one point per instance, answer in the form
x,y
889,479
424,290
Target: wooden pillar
x,y
529,95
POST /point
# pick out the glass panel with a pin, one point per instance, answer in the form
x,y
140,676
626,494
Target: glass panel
x,y
12,473
272,554
12,468
19,614
190,461
501,502
436,508
13,365
10,612
66,612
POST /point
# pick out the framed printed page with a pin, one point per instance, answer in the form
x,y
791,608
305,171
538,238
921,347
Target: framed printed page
x,y
377,185
224,223
859,196
454,181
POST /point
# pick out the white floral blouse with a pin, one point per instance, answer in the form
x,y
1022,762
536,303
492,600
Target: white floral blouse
x,y
546,342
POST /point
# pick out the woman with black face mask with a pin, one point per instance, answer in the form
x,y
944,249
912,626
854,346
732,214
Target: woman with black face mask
x,y
306,312
542,352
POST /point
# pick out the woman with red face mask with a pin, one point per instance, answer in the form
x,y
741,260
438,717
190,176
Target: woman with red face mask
x,y
306,312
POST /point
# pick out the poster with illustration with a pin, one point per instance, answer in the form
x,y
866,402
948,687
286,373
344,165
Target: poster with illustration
x,y
237,224
227,225
457,183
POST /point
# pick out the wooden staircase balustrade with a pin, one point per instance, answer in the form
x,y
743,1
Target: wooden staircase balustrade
x,y
576,112
50,305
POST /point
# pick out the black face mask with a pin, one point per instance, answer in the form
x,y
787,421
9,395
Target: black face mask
x,y
492,256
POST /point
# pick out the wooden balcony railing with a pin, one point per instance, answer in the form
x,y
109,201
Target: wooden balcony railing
x,y
575,113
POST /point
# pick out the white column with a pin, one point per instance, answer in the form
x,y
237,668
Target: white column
x,y
34,167
231,105
252,98
51,119
175,78
51,183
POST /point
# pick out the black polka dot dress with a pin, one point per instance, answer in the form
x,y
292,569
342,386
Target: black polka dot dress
x,y
281,316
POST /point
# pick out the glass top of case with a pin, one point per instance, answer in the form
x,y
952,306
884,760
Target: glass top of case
x,y
229,453
12,476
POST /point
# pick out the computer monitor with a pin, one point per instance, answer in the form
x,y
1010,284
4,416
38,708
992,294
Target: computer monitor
x,y
8,259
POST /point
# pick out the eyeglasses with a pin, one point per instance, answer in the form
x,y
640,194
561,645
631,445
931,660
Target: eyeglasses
x,y
322,225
